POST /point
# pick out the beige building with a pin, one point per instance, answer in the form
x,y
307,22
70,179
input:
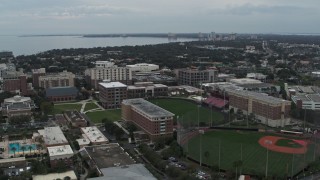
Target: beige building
x,y
195,76
268,110
62,79
106,70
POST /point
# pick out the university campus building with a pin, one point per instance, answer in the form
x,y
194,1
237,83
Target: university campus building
x,y
152,119
269,110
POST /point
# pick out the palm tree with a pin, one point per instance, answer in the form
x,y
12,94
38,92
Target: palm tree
x,y
14,151
30,148
23,148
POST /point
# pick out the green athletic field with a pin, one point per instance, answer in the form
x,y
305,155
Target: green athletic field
x,y
59,108
188,111
235,146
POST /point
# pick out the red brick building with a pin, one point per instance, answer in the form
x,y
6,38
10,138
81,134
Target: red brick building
x,y
111,94
36,73
61,94
15,82
152,119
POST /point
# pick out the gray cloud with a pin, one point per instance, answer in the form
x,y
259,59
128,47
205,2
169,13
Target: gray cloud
x,y
125,16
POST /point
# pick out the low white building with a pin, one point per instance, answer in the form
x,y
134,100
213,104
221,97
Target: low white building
x,y
143,67
257,76
94,135
315,74
58,153
53,136
53,176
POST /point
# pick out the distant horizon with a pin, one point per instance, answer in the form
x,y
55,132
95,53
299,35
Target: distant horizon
x,y
161,33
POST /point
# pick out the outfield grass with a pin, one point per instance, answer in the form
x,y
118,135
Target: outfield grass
x,y
59,108
112,115
90,106
234,145
188,111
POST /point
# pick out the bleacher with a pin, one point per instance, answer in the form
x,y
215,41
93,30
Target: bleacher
x,y
216,102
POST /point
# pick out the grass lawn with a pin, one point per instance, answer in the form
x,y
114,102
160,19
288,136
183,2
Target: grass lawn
x,y
188,111
59,108
90,106
236,145
113,115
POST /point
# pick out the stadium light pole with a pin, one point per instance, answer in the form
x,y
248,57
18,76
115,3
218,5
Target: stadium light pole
x,y
292,165
201,132
211,113
198,117
219,154
304,120
267,161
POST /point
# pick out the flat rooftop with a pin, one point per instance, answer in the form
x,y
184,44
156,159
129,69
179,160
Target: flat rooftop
x,y
314,97
107,155
259,85
257,96
53,135
245,81
147,107
60,150
94,134
129,172
112,84
301,97
75,116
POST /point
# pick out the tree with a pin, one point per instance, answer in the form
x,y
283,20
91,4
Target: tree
x,y
30,148
15,120
76,145
118,133
46,107
23,148
14,149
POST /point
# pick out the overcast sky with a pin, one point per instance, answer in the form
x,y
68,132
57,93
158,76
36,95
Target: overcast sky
x,y
151,16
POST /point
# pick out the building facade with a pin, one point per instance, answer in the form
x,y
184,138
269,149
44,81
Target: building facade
x,y
62,79
60,154
268,110
152,119
106,70
143,67
147,89
195,76
111,94
15,82
17,106
61,94
36,73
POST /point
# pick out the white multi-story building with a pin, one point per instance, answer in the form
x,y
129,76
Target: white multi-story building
x,y
195,76
106,70
143,67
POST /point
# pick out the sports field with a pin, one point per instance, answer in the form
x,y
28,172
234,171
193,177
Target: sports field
x,y
59,108
236,145
188,111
